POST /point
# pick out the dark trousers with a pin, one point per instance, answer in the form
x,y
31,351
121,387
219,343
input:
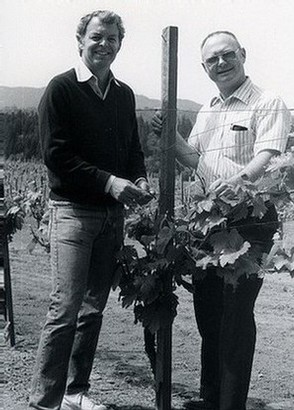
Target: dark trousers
x,y
225,319
226,324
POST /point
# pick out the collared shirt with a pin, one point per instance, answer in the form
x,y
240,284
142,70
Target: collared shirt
x,y
85,75
230,132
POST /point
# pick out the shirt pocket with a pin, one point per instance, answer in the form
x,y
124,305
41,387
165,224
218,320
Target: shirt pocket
x,y
239,144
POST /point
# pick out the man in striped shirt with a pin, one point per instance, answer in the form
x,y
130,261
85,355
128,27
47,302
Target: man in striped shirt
x,y
234,138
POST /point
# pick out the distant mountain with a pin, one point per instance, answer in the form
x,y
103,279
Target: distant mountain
x,y
29,97
143,102
19,97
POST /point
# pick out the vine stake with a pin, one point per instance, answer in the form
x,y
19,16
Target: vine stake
x,y
166,200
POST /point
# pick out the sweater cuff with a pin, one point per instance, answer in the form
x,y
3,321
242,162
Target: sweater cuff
x,y
109,183
140,179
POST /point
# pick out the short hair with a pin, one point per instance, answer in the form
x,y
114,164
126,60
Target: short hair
x,y
215,33
106,17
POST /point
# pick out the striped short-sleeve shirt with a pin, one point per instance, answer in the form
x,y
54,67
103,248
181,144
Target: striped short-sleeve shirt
x,y
229,133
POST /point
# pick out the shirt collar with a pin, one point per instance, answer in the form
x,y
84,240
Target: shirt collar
x,y
84,74
242,93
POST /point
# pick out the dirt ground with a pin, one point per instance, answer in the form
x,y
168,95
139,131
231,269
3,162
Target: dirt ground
x,y
121,376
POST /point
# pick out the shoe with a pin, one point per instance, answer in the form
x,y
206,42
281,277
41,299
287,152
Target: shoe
x,y
200,405
79,401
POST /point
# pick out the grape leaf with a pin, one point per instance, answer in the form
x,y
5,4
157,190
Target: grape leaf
x,y
129,298
157,264
269,182
209,260
289,180
281,162
172,254
230,257
226,240
147,239
231,201
149,288
159,313
246,265
204,205
238,212
223,207
182,228
259,208
204,225
184,266
117,276
284,262
229,245
127,254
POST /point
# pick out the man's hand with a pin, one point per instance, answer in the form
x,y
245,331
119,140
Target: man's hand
x,y
157,122
223,187
128,193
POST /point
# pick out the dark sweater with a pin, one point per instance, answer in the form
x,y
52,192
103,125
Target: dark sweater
x,y
85,139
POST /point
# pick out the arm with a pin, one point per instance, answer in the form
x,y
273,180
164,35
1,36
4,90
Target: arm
x,y
251,172
255,168
273,122
184,152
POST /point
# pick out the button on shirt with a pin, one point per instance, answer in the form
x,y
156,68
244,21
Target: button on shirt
x,y
230,132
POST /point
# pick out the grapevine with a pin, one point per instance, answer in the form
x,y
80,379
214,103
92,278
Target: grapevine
x,y
206,232
26,196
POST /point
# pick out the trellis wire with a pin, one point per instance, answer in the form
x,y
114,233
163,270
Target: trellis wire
x,y
32,175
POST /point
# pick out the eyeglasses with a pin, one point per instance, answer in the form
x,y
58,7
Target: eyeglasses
x,y
227,56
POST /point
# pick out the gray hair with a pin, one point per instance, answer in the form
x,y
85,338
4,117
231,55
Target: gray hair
x,y
215,33
106,17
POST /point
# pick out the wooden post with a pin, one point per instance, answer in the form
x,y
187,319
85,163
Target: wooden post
x,y
167,200
169,111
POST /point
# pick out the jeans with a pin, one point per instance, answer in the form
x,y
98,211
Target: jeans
x,y
84,241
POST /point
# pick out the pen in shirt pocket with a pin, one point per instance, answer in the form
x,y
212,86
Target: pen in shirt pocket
x,y
236,127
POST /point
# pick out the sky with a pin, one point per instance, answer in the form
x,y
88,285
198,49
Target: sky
x,y
37,41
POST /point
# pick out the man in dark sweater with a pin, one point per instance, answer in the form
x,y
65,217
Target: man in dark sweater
x,y
91,148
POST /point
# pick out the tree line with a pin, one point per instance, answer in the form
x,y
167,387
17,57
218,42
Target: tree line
x,y
22,136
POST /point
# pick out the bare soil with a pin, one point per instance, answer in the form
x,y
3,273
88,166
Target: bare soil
x,y
121,376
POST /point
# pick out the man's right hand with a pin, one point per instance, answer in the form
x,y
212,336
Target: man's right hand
x,y
157,122
128,193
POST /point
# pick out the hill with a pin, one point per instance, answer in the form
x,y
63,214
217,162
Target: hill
x,y
29,97
19,97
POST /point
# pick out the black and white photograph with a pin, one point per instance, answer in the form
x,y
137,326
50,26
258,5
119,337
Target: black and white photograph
x,y
147,205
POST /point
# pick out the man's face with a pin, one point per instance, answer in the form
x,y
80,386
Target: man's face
x,y
227,71
100,45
